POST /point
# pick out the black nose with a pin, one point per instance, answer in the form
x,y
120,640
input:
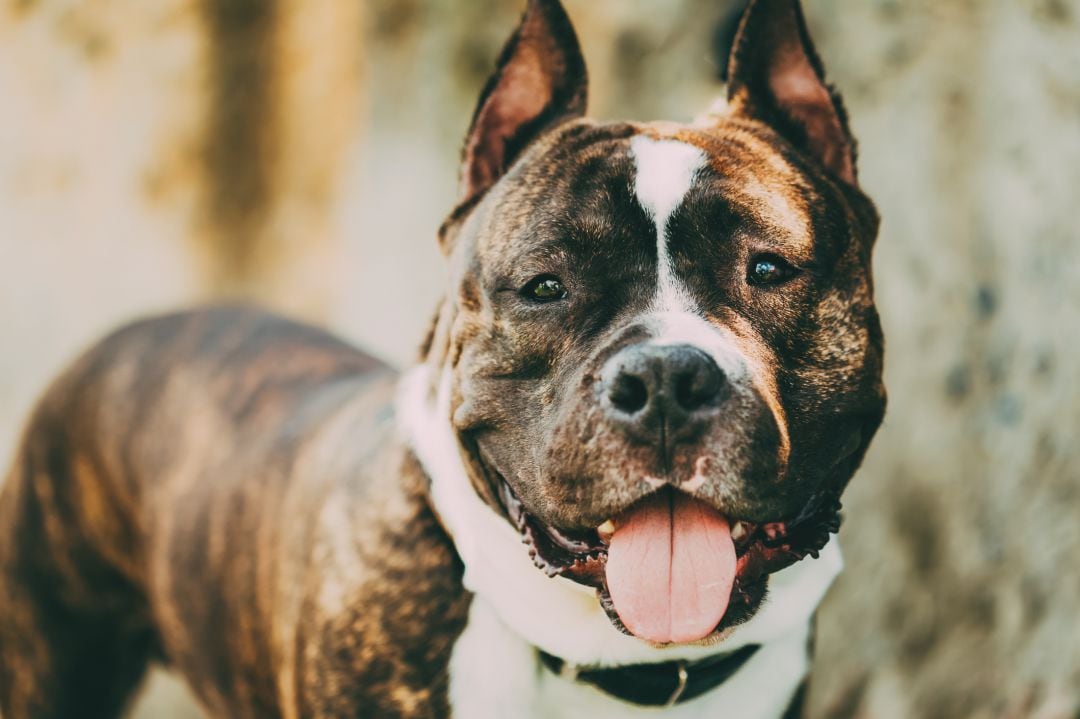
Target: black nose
x,y
655,389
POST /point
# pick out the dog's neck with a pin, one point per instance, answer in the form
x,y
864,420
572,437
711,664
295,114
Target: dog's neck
x,y
556,615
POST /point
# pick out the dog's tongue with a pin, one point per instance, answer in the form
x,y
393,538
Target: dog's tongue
x,y
670,568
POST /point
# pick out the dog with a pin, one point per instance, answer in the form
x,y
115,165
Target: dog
x,y
606,489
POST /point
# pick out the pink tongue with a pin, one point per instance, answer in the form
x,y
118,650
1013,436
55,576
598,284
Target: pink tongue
x,y
670,568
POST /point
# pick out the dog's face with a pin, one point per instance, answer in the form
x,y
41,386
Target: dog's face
x,y
664,353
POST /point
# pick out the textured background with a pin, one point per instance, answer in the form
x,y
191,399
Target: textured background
x,y
302,152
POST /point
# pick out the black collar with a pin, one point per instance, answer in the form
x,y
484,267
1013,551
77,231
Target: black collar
x,y
663,684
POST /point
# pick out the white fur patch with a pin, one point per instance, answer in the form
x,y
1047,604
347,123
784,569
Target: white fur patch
x,y
517,607
761,689
665,172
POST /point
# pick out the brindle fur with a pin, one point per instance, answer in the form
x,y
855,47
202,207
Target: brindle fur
x,y
224,490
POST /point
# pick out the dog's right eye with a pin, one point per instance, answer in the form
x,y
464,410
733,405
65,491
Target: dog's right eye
x,y
544,288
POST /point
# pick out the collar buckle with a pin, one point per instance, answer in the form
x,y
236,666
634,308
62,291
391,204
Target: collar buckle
x,y
569,671
684,678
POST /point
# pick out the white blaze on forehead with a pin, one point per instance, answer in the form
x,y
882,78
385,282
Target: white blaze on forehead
x,y
666,170
665,173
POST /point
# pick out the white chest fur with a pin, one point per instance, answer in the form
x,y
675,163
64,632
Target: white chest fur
x,y
495,672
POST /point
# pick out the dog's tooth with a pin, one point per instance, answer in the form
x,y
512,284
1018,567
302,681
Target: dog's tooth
x,y
774,530
738,531
606,530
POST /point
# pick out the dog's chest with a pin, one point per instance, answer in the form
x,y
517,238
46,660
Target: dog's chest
x,y
494,674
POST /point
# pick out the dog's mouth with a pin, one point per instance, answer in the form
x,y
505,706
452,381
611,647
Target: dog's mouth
x,y
671,569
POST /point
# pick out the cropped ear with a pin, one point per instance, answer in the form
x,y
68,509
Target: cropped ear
x,y
539,82
774,75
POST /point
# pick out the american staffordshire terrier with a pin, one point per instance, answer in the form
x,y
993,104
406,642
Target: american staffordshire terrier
x,y
606,489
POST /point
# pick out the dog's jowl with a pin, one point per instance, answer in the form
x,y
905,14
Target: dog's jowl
x,y
607,489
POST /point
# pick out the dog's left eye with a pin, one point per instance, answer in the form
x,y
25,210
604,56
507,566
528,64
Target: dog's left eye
x,y
769,270
544,288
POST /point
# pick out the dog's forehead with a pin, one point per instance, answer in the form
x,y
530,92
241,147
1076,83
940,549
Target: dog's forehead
x,y
586,173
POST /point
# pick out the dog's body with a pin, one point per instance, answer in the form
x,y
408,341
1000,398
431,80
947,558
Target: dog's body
x,y
137,533
179,490
300,533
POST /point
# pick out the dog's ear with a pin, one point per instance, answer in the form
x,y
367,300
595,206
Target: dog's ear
x,y
774,75
540,81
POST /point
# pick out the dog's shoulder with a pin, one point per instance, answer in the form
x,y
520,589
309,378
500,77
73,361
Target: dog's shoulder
x,y
233,366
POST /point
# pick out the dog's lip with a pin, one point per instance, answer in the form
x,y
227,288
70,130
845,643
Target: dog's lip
x,y
574,545
583,544
581,555
582,558
761,549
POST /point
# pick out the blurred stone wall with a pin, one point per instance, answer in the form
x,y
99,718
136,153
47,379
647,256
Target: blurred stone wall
x,y
153,154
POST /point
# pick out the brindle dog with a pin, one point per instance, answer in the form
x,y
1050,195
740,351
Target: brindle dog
x,y
645,323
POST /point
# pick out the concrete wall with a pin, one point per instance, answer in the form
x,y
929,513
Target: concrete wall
x,y
153,154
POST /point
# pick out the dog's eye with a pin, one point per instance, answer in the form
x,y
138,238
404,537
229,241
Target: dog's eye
x,y
769,270
544,288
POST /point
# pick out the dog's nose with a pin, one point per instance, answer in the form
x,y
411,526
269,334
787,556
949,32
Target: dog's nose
x,y
657,390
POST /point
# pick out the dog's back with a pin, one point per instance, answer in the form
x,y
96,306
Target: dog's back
x,y
139,480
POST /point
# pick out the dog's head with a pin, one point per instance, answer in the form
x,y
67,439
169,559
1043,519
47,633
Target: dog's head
x,y
663,356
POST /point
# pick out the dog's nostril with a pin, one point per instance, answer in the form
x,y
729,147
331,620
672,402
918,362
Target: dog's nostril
x,y
697,388
628,393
